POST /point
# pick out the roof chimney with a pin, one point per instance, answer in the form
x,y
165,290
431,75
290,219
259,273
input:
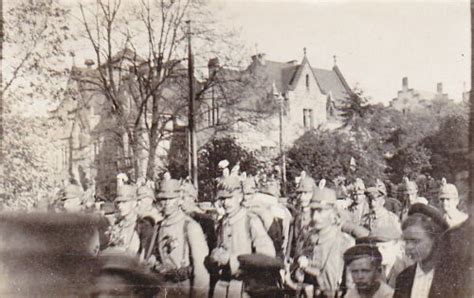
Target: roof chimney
x,y
439,88
292,62
213,65
89,63
405,83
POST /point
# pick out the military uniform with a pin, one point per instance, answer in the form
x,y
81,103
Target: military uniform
x,y
238,234
123,236
302,218
180,249
323,250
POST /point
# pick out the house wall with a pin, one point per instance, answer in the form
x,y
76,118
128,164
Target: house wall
x,y
304,97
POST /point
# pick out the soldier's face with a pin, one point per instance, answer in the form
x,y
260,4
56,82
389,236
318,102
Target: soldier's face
x,y
305,198
232,204
145,204
125,207
418,243
323,217
364,273
170,206
449,204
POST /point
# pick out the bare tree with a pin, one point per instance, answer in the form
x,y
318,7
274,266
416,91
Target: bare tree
x,y
139,51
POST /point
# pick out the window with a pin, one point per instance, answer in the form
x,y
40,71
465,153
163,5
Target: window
x,y
307,81
308,118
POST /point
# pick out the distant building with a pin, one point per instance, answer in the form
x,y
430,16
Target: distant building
x,y
309,97
92,147
409,99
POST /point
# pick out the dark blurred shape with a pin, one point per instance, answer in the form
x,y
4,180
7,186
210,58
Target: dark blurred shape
x,y
261,274
47,254
123,276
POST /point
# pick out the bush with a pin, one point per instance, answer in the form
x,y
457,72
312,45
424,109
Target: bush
x,y
210,156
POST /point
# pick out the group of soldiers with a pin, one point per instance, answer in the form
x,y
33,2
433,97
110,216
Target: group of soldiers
x,y
251,242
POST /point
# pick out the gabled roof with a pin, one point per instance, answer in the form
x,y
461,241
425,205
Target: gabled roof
x,y
285,76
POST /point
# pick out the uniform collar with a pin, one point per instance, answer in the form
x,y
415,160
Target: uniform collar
x,y
237,216
174,218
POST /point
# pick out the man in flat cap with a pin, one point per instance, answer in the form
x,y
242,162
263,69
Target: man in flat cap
x,y
178,246
318,258
364,262
379,216
239,232
390,245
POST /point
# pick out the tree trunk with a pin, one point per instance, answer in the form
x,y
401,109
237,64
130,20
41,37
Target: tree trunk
x,y
154,139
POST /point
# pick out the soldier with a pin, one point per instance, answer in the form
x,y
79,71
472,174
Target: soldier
x,y
191,208
319,265
379,216
359,208
123,237
239,233
275,217
364,262
179,247
409,193
145,199
448,195
391,204
72,199
302,218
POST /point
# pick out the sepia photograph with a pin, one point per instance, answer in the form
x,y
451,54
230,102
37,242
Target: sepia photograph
x,y
236,148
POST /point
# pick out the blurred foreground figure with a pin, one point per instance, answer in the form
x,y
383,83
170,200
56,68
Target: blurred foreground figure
x,y
46,254
123,276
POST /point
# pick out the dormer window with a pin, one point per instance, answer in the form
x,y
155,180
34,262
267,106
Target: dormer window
x,y
307,81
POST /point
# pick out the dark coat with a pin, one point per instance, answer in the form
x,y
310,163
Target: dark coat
x,y
454,273
404,283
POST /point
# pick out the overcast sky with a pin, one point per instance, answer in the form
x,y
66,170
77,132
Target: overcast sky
x,y
376,43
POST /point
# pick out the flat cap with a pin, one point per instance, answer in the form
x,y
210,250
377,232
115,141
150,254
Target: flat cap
x,y
361,251
431,212
381,234
227,186
323,197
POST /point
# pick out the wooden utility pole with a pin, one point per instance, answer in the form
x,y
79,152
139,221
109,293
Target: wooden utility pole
x,y
193,170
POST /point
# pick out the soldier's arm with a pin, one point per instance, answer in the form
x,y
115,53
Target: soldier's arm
x,y
199,251
262,243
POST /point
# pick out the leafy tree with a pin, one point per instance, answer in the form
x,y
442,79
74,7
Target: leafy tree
x,y
327,154
210,156
449,147
33,74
